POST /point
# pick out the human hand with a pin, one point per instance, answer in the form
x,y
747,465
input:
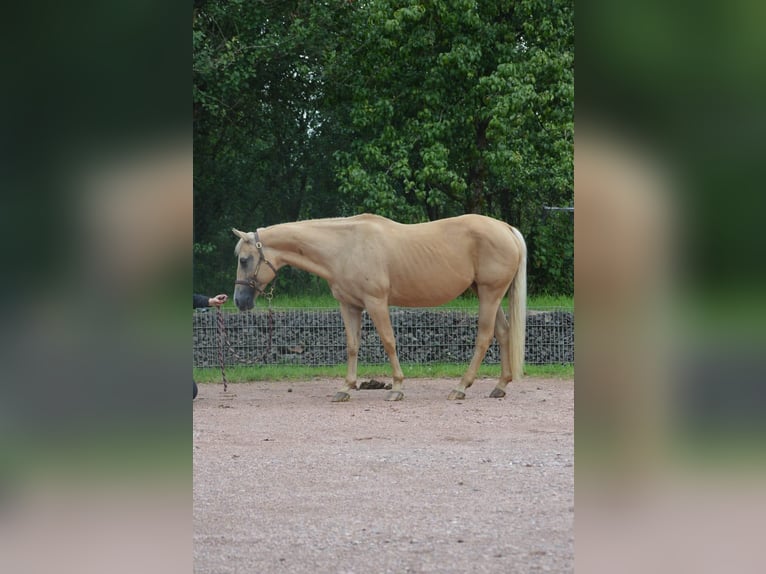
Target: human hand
x,y
218,300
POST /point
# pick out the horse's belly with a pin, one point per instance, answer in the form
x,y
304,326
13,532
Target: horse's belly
x,y
426,295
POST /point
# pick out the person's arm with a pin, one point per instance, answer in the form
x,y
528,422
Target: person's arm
x,y
205,301
201,301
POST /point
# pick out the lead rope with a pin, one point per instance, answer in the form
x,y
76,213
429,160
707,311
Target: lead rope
x,y
223,339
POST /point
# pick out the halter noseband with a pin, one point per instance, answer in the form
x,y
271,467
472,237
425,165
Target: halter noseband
x,y
252,283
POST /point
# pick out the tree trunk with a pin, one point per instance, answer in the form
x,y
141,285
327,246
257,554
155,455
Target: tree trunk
x,y
477,175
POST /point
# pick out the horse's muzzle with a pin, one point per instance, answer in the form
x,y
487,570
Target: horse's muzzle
x,y
244,296
244,305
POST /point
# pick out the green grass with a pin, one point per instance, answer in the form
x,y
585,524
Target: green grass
x,y
466,301
412,371
550,301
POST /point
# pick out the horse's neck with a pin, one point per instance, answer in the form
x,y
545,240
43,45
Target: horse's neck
x,y
311,246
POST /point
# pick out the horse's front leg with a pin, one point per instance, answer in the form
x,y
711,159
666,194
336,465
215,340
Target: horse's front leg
x,y
352,320
380,317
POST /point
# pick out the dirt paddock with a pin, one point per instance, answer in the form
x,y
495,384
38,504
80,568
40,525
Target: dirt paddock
x,y
286,481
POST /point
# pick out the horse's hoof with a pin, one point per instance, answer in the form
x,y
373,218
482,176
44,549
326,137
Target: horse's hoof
x,y
497,393
394,396
341,397
456,396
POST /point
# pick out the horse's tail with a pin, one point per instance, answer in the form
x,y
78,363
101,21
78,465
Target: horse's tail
x,y
517,310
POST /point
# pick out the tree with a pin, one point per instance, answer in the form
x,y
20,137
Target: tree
x,y
414,109
457,106
261,154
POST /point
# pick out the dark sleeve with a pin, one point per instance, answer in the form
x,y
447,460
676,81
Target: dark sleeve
x,y
201,301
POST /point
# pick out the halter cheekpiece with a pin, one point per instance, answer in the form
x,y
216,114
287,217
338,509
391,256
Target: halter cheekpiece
x,y
252,283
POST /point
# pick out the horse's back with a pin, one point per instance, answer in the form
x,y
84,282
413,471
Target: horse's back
x,y
481,233
469,222
451,237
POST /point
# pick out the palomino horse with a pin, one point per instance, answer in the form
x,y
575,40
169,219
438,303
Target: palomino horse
x,y
371,262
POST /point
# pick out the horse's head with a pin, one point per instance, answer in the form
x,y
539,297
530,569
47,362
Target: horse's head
x,y
252,275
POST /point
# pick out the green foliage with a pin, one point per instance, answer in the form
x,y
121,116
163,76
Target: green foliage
x,y
553,262
262,146
415,110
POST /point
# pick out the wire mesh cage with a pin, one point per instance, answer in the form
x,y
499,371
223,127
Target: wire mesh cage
x,y
315,336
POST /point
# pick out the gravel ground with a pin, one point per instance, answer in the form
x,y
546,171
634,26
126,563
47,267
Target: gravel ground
x,y
286,481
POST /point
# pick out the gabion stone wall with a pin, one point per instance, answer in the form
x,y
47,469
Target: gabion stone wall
x,y
317,337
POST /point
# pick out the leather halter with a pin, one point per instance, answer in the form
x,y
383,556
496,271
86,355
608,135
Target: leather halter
x,y
252,283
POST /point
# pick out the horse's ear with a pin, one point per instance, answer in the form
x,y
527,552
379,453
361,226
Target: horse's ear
x,y
241,234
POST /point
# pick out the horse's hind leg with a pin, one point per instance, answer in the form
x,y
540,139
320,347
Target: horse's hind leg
x,y
502,334
488,309
352,320
380,317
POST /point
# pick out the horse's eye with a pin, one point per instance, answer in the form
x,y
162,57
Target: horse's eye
x,y
243,261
